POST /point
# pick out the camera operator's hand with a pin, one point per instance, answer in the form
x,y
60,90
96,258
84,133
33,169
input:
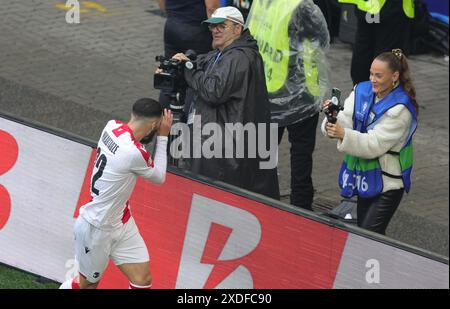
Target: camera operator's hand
x,y
325,109
166,123
180,57
335,131
325,105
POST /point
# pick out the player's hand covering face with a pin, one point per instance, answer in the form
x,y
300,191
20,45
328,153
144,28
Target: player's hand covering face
x,y
165,123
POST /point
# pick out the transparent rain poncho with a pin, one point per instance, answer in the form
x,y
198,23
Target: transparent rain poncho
x,y
293,39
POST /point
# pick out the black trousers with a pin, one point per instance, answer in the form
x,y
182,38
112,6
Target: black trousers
x,y
374,214
372,39
302,136
178,38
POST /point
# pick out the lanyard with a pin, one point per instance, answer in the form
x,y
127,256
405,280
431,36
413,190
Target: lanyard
x,y
208,70
212,65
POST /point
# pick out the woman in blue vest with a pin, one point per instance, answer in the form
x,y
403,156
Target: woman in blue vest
x,y
375,132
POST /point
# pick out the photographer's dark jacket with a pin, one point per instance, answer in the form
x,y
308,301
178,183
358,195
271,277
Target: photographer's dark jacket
x,y
230,88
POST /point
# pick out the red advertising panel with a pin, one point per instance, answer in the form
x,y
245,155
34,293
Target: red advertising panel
x,y
198,235
202,237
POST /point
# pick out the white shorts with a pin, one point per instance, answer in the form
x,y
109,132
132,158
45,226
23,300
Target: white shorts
x,y
94,247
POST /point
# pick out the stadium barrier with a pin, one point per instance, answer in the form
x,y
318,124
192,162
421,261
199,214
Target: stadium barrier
x,y
200,233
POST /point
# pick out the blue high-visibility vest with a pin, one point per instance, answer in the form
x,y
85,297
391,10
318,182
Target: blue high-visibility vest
x,y
363,177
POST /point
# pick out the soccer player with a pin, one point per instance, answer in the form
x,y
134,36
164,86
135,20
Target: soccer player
x,y
105,228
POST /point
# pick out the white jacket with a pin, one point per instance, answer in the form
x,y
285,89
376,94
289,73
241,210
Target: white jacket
x,y
390,133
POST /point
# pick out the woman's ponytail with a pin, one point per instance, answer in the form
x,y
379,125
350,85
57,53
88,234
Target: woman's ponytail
x,y
397,62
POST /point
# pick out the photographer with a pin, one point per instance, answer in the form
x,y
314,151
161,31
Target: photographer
x,y
183,30
375,132
228,86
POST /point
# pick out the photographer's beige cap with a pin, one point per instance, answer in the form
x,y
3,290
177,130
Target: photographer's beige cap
x,y
226,13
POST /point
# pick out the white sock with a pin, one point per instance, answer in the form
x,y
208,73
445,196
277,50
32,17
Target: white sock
x,y
139,287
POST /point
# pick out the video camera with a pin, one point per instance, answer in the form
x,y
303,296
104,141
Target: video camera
x,y
171,79
335,106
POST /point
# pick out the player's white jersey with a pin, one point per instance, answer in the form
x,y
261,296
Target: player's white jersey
x,y
120,160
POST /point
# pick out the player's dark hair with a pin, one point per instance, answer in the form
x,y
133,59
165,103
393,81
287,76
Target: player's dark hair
x,y
148,108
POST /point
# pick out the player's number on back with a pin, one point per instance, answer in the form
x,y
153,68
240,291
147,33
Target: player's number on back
x,y
100,163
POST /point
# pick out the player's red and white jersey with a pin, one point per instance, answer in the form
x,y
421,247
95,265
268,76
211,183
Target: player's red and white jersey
x,y
120,160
